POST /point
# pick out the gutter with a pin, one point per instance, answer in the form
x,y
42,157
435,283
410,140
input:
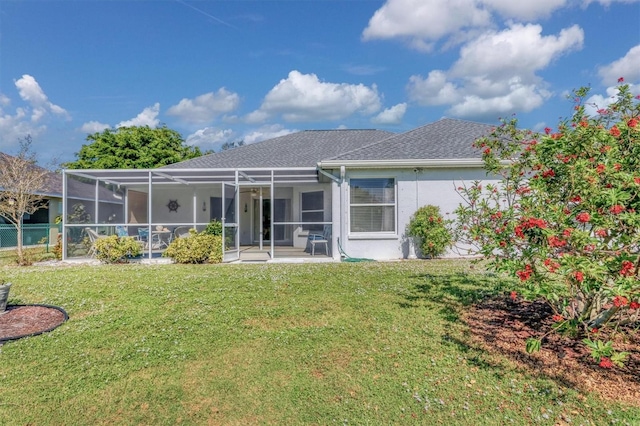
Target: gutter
x,y
390,164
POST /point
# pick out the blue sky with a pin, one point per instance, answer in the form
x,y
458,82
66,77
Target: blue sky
x,y
229,70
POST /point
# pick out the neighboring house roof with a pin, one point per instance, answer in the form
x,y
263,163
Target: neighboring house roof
x,y
301,149
52,187
446,139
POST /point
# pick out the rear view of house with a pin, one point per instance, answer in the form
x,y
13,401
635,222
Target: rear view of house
x,y
356,189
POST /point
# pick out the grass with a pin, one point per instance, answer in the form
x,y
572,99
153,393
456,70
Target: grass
x,y
368,343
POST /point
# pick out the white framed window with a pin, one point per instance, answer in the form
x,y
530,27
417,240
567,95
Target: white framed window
x,y
372,205
312,210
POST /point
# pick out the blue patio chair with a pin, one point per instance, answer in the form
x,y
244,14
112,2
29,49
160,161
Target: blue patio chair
x,y
121,231
143,236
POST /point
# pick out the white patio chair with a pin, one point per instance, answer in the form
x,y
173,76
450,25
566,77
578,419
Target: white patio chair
x,y
93,237
323,238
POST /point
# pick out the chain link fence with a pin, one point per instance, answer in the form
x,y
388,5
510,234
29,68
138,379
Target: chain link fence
x,y
32,235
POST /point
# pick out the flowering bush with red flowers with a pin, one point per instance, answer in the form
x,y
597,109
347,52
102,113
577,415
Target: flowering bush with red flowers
x,y
563,216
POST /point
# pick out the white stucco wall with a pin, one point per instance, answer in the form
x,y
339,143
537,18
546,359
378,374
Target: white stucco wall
x,y
413,190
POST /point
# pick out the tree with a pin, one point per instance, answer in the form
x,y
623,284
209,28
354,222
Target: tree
x,y
22,188
230,145
136,147
564,218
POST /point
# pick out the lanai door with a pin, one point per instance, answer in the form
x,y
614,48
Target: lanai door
x,y
230,222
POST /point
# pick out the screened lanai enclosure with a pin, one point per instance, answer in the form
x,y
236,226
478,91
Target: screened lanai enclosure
x,y
265,213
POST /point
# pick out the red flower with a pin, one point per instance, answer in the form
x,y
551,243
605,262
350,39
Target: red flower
x,y
627,268
583,217
548,173
584,123
547,130
621,79
617,209
600,168
605,362
567,232
553,266
614,131
525,274
594,330
632,123
579,276
557,317
576,199
636,180
620,301
518,231
487,151
605,149
634,305
513,295
556,242
601,233
617,167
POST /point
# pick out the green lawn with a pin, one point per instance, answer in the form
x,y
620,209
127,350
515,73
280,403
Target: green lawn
x,y
367,343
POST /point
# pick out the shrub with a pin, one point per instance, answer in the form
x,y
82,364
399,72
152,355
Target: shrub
x,y
57,249
431,230
564,217
114,249
213,228
196,248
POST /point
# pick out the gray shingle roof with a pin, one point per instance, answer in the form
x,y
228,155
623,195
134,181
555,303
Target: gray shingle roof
x,y
301,149
444,139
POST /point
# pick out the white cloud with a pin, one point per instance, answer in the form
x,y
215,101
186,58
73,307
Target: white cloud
x,y
14,127
517,50
209,137
29,119
148,117
205,108
256,116
517,98
391,115
627,67
266,132
423,22
92,127
433,90
303,97
496,72
31,92
525,10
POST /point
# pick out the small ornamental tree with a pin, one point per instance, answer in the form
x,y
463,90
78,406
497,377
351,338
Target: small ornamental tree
x,y
22,188
564,217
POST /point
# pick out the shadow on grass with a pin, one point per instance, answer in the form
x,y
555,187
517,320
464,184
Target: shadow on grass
x,y
453,291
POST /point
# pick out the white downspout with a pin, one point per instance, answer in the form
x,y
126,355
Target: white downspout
x,y
412,246
343,207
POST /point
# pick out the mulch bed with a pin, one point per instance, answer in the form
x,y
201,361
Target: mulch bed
x,y
28,320
502,326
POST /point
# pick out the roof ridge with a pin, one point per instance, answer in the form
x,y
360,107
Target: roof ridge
x,y
403,137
